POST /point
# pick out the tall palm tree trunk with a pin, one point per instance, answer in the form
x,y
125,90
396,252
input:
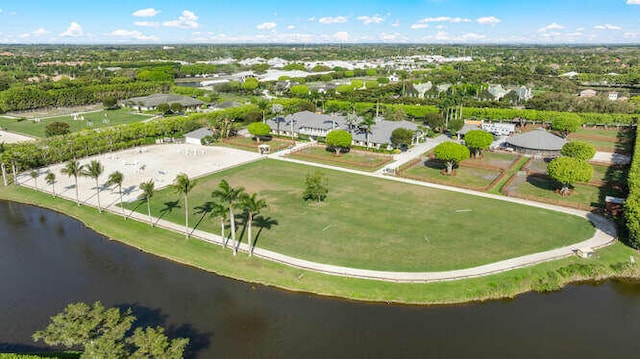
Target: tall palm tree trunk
x,y
224,243
149,211
53,189
98,196
249,238
186,217
77,194
232,221
124,215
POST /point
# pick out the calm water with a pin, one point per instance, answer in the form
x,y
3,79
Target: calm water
x,y
48,260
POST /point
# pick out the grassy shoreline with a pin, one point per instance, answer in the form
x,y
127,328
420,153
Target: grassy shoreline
x,y
611,262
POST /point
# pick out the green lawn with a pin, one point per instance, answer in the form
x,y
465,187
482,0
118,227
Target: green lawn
x,y
430,171
606,146
613,133
364,161
496,159
380,224
611,174
541,186
36,129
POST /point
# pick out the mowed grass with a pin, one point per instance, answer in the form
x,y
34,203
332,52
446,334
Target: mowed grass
x,y
431,171
613,134
36,129
359,160
379,224
496,159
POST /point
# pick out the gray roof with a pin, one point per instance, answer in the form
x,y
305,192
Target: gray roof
x,y
468,127
156,99
200,133
380,131
538,139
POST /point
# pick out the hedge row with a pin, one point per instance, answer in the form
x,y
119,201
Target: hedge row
x,y
499,114
632,205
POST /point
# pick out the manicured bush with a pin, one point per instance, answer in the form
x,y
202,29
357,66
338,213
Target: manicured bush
x,y
578,149
632,204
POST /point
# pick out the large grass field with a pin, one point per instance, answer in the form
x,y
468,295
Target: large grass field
x,y
380,224
97,119
612,261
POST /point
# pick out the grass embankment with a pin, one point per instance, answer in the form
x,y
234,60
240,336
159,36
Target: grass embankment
x,y
96,119
612,261
379,224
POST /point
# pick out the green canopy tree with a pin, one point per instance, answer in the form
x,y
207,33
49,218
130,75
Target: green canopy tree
x,y
578,149
73,169
259,130
566,123
299,90
401,137
56,128
35,174
567,171
451,154
478,141
183,185
102,333
116,178
316,187
229,195
252,206
147,189
339,140
94,170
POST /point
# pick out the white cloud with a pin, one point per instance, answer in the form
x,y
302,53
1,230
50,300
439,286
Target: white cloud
x,y
40,31
150,12
188,20
132,34
375,19
396,24
267,26
444,36
332,20
311,19
631,35
147,23
0,10
633,2
440,27
74,30
443,19
419,26
291,27
607,27
341,36
552,26
488,20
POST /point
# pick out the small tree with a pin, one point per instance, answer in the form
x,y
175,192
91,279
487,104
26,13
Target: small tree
x,y
176,107
451,154
566,123
339,140
252,207
435,121
73,169
250,84
259,130
116,178
299,90
35,174
148,189
93,170
478,140
56,128
110,103
567,171
317,187
182,184
577,149
401,137
163,108
51,180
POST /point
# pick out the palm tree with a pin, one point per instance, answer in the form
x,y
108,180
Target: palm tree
x,y
252,206
35,174
116,178
229,195
94,169
367,122
73,169
220,210
183,185
147,192
262,106
51,180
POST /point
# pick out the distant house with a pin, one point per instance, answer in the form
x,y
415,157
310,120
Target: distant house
x,y
570,74
588,93
538,142
394,78
149,103
613,96
317,126
195,137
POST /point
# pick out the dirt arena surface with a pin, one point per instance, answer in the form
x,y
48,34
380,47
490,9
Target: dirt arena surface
x,y
158,162
9,137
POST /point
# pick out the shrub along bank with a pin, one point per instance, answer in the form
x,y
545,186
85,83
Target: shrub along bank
x,y
632,205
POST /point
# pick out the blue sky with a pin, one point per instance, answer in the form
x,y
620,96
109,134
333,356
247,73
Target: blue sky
x,y
327,21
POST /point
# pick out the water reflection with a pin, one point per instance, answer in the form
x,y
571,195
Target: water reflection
x,y
49,262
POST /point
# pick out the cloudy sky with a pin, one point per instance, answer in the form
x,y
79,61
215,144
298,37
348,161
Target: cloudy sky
x,y
326,21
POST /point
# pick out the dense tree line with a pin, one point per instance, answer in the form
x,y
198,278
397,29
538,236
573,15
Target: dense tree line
x,y
632,203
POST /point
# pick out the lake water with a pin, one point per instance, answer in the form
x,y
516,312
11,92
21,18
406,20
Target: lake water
x,y
48,260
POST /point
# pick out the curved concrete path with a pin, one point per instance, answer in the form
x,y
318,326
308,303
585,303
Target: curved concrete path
x,y
605,234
